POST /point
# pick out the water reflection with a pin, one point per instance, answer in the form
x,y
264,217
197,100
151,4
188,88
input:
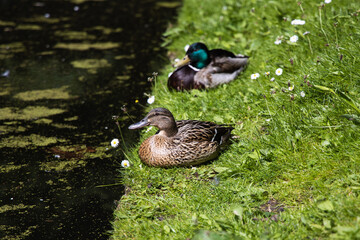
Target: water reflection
x,y
65,68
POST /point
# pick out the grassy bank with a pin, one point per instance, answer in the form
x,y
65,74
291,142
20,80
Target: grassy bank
x,y
294,171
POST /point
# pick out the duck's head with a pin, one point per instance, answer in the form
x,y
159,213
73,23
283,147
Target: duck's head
x,y
160,118
197,54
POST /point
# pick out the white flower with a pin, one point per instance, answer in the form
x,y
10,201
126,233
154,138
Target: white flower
x,y
302,94
297,22
327,1
277,42
294,39
291,88
306,33
176,60
115,142
255,76
272,79
151,100
267,73
125,163
279,71
147,130
186,47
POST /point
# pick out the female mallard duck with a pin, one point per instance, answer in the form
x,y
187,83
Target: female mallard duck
x,y
180,143
201,68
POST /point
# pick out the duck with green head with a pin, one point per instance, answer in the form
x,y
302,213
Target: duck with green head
x,y
180,143
203,68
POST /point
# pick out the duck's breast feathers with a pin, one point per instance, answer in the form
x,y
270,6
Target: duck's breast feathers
x,y
183,79
193,130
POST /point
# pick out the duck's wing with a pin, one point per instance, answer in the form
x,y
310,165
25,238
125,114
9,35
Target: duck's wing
x,y
223,68
226,62
199,131
183,79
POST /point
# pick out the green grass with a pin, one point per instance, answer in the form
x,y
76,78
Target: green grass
x,y
301,152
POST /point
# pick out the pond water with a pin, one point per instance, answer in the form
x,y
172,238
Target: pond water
x,y
66,67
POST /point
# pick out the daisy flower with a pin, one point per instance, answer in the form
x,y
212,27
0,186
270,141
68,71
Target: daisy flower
x,y
115,142
327,1
267,73
272,79
294,39
291,88
255,76
302,94
278,71
151,100
125,163
277,42
297,22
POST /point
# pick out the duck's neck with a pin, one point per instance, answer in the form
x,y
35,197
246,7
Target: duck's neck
x,y
200,59
168,132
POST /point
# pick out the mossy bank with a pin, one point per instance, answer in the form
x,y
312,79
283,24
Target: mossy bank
x,y
294,170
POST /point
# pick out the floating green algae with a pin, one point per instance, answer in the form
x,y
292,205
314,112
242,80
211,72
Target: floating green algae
x,y
58,125
28,113
28,27
86,46
28,141
5,23
74,118
5,129
62,165
5,208
43,121
168,4
53,93
82,1
91,63
14,47
10,167
105,30
119,57
74,35
71,157
42,19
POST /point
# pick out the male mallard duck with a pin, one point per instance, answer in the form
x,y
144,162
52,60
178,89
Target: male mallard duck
x,y
201,68
180,143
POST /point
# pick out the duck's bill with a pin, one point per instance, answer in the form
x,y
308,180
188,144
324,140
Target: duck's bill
x,y
182,62
142,123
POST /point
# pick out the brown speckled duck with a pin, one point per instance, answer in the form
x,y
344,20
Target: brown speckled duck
x,y
180,143
203,68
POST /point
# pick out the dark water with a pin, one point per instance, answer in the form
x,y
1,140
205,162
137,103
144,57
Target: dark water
x,y
66,67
